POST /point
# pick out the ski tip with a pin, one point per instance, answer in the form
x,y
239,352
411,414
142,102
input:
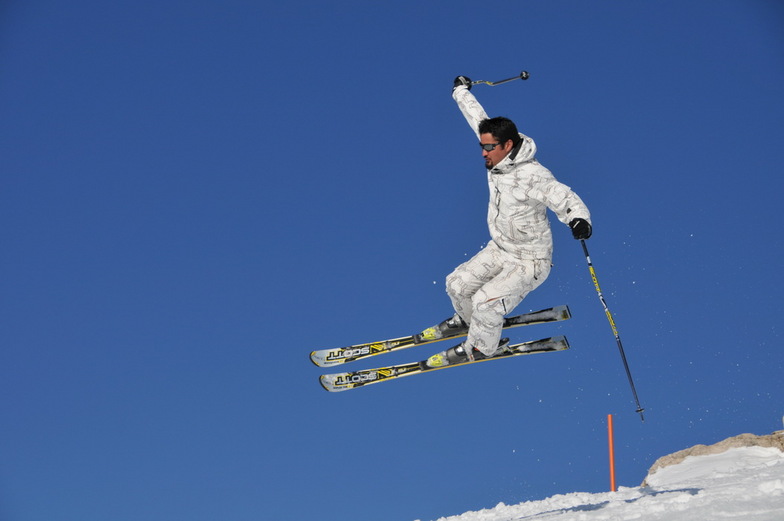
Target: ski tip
x,y
564,312
318,359
322,359
327,381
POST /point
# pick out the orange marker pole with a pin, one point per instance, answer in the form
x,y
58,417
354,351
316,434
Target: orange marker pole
x,y
612,451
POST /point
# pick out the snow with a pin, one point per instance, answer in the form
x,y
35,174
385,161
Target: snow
x,y
744,483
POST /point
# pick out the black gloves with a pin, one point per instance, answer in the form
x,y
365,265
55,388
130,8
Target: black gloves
x,y
462,80
581,229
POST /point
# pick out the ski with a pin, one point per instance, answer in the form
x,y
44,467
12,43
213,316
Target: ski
x,y
337,382
341,355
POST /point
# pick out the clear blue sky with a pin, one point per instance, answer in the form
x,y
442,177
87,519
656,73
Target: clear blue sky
x,y
196,194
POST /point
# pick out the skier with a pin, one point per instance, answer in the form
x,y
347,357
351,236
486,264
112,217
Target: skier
x,y
518,257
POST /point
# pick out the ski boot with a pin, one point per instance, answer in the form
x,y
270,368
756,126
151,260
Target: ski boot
x,y
452,326
458,355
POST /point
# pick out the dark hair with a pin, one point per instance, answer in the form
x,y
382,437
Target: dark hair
x,y
503,129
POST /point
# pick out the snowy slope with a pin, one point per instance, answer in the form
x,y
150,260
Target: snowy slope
x,y
745,483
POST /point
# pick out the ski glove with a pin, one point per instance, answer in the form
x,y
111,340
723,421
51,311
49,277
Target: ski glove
x,y
581,229
462,80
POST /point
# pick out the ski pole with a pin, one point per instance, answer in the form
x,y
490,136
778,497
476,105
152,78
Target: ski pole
x,y
522,76
614,329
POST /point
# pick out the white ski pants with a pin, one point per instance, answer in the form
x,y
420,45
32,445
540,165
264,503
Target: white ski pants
x,y
487,287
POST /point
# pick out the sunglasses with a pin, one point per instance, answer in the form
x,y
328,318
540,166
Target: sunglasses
x,y
489,147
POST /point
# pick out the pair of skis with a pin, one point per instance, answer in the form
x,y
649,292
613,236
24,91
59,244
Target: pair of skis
x,y
351,380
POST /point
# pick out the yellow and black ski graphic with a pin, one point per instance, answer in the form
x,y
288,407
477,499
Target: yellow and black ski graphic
x,y
341,355
337,382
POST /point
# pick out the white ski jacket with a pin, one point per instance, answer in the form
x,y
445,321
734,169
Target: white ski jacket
x,y
521,191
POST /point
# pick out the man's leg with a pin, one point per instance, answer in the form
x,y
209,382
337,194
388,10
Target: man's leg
x,y
468,278
500,296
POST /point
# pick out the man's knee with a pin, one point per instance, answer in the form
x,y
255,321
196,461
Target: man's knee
x,y
455,287
489,311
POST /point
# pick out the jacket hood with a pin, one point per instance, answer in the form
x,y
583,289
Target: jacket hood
x,y
524,152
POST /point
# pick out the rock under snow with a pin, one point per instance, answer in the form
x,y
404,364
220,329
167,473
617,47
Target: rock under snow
x,y
775,440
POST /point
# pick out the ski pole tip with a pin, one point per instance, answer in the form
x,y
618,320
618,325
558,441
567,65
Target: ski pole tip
x,y
524,75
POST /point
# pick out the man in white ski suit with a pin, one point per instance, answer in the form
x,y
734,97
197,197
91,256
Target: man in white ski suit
x,y
518,257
